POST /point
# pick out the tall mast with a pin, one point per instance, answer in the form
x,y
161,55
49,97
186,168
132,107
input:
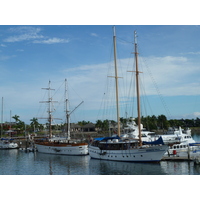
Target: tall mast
x,y
137,88
67,112
116,82
50,109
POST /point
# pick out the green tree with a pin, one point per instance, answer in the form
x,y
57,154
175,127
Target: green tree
x,y
82,123
34,123
19,126
16,118
162,122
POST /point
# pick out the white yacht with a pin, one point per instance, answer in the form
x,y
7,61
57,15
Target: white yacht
x,y
124,148
177,136
8,144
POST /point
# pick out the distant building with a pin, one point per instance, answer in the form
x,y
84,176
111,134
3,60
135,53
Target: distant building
x,y
75,127
89,127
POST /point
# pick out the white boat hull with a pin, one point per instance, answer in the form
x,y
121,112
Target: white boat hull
x,y
149,154
63,150
8,146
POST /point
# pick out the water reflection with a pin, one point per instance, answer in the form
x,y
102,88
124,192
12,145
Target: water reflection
x,y
104,167
180,168
16,162
63,165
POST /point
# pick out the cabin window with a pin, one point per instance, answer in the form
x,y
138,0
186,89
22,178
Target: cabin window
x,y
174,147
181,146
141,155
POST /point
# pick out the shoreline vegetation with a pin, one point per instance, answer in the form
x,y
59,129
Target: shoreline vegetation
x,y
86,129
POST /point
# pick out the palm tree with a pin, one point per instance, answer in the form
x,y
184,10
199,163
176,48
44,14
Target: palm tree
x,y
16,118
34,123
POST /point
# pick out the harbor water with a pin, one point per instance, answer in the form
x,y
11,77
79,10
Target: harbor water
x,y
17,162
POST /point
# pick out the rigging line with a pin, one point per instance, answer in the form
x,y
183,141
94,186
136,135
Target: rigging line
x,y
105,93
158,91
58,89
145,100
69,85
125,41
108,87
131,93
39,109
143,89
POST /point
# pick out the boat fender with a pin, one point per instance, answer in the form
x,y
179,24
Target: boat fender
x,y
174,152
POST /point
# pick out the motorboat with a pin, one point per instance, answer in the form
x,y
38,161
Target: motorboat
x,y
7,143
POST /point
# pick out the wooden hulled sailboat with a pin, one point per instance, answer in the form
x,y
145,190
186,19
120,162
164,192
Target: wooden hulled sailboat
x,y
61,146
125,149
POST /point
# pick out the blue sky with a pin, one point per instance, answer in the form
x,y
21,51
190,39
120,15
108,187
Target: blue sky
x,y
31,55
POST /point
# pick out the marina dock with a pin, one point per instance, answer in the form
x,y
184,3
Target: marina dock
x,y
177,158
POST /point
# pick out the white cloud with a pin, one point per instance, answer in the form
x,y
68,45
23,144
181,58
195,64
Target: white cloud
x,y
196,114
192,53
24,33
52,41
20,50
2,45
193,115
172,75
94,34
3,57
22,37
169,76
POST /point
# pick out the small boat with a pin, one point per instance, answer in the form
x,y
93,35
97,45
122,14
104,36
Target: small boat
x,y
58,145
123,148
177,136
6,143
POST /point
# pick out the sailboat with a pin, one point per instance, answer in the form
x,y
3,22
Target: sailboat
x,y
6,143
127,149
58,145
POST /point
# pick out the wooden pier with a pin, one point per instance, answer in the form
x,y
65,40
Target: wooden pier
x,y
177,158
